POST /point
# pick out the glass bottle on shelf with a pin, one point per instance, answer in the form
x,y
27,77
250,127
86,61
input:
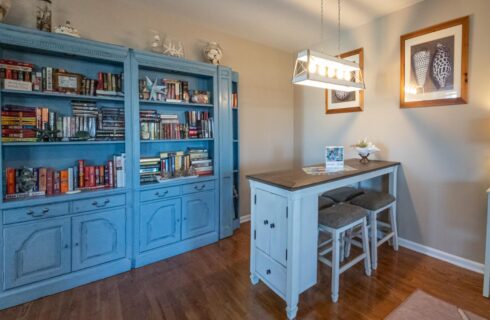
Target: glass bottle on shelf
x,y
43,15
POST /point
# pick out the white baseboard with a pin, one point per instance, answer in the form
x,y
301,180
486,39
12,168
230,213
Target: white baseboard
x,y
441,255
434,253
245,218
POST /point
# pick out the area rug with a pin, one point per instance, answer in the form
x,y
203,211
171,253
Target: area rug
x,y
421,306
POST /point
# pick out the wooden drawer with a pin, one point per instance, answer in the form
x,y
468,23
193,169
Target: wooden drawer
x,y
197,187
271,271
35,212
160,193
99,203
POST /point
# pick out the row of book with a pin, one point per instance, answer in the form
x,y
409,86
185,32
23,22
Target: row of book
x,y
155,126
170,165
28,182
22,124
18,75
172,90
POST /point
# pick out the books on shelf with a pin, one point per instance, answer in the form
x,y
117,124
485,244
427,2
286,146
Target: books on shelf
x,y
87,122
155,126
28,182
24,76
234,102
169,165
171,90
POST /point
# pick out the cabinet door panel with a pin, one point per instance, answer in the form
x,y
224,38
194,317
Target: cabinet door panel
x,y
98,238
159,224
198,214
36,251
279,231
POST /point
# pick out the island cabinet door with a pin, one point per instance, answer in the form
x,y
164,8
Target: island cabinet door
x,y
98,238
271,214
159,224
36,251
198,214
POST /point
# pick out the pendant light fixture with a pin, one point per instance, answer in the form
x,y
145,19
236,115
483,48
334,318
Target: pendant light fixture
x,y
316,69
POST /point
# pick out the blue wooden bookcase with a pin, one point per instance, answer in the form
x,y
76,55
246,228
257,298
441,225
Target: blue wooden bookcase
x,y
54,243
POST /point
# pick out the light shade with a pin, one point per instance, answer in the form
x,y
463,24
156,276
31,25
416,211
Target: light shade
x,y
319,70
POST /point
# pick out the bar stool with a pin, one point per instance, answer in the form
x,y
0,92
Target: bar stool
x,y
335,220
376,202
343,194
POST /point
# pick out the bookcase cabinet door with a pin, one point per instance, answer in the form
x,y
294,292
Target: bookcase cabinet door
x,y
160,224
98,238
36,251
198,214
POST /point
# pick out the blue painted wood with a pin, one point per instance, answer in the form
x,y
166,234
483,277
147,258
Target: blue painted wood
x,y
226,156
198,214
160,224
98,238
236,154
33,213
99,203
36,251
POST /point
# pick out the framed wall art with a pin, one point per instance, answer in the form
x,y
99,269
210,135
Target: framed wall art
x,y
434,65
343,101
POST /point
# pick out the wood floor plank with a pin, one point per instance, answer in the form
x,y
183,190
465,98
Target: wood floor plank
x,y
213,283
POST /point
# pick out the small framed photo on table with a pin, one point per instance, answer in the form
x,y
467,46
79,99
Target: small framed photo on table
x,y
334,158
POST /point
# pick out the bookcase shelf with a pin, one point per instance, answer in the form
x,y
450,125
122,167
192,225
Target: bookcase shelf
x,y
44,95
61,143
176,140
178,104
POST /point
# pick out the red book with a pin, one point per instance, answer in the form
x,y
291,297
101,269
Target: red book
x,y
81,173
86,176
10,180
92,176
56,182
101,175
100,82
49,181
42,179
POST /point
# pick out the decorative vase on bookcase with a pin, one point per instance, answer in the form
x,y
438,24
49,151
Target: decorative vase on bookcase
x,y
43,15
4,8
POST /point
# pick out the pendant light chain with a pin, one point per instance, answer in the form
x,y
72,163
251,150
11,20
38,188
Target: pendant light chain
x,y
338,24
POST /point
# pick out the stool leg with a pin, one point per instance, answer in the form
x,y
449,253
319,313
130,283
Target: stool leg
x,y
335,266
365,248
342,247
348,243
394,227
374,240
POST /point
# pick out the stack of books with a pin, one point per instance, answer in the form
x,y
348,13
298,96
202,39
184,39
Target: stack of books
x,y
200,161
16,75
154,126
167,166
109,84
176,90
84,119
110,124
18,124
149,169
200,124
29,182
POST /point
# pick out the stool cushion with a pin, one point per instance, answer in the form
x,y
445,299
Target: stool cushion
x,y
343,194
373,200
324,202
340,215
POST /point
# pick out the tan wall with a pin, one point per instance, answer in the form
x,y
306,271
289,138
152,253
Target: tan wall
x,y
266,95
444,151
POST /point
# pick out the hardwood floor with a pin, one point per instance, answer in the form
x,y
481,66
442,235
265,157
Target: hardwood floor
x,y
213,283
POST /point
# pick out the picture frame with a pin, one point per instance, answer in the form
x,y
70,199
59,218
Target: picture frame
x,y
334,158
341,101
434,65
67,82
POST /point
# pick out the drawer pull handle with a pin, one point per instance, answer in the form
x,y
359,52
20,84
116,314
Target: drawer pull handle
x,y
158,194
29,212
273,226
266,222
43,212
268,271
200,188
95,203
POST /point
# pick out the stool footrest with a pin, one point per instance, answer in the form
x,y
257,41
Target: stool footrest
x,y
352,262
386,238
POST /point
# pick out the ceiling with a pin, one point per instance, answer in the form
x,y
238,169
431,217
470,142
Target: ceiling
x,y
289,25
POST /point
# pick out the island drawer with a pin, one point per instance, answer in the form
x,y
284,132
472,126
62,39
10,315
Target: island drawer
x,y
35,212
271,271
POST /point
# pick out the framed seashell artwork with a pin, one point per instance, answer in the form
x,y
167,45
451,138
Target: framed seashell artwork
x,y
434,65
343,101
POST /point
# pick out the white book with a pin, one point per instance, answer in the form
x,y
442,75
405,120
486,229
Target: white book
x,y
70,179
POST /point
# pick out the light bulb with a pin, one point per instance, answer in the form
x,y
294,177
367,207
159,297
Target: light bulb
x,y
322,71
347,75
312,67
331,72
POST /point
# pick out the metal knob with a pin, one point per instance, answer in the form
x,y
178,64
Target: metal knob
x,y
273,225
268,271
266,222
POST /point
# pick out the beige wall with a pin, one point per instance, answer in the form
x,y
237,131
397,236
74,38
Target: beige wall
x,y
266,95
444,151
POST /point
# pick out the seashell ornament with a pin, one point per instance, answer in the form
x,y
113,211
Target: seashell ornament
x,y
421,61
341,95
441,66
